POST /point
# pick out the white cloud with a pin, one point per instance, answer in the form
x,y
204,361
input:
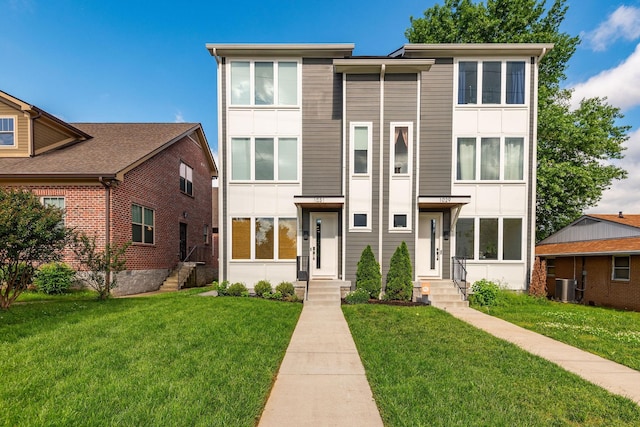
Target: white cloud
x,y
618,84
623,195
623,23
179,118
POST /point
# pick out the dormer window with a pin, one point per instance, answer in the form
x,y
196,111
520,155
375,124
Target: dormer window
x,y
7,132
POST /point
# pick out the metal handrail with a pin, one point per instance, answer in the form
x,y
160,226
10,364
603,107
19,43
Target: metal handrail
x,y
302,273
459,266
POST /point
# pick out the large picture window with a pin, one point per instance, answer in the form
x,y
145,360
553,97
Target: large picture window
x,y
465,232
264,159
502,82
264,83
490,159
489,238
142,224
256,238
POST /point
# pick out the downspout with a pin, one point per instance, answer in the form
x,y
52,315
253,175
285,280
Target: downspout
x,y
32,147
107,222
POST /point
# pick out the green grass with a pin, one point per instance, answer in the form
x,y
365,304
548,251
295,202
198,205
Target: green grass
x,y
427,368
69,295
172,359
612,334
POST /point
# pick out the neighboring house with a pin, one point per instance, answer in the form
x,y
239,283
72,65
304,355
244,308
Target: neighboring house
x,y
602,254
323,153
149,183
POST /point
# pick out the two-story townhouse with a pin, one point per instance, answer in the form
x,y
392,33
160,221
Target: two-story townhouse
x,y
323,153
145,183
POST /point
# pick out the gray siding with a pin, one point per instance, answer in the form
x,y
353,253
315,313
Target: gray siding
x,y
592,229
400,104
363,105
321,128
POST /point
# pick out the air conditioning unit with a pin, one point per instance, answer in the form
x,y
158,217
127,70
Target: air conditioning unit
x,y
566,290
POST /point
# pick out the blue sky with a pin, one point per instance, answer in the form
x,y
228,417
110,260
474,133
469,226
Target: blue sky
x,y
145,61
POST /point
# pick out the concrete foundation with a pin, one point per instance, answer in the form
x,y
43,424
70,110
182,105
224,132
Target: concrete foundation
x,y
139,281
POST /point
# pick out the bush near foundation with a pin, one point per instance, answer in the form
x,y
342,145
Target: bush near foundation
x,y
262,287
399,278
368,276
54,278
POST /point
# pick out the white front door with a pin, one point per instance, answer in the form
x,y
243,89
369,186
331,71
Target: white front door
x,y
323,245
429,254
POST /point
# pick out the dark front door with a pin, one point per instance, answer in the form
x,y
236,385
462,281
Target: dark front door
x,y
183,241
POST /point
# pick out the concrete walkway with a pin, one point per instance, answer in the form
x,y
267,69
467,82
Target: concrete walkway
x,y
321,381
609,375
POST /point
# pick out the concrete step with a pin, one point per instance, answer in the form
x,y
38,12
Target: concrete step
x,y
449,304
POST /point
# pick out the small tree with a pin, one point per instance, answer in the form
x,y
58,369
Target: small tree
x,y
100,264
30,234
399,284
538,285
368,276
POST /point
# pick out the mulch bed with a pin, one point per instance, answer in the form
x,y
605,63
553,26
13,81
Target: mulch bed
x,y
392,302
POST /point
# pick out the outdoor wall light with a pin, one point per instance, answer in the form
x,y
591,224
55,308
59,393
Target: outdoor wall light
x,y
305,234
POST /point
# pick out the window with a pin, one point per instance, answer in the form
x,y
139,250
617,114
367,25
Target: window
x,y
255,238
621,267
264,83
488,238
400,221
401,150
359,220
360,144
205,234
57,202
512,239
490,159
551,267
142,224
264,159
501,82
7,133
465,237
186,179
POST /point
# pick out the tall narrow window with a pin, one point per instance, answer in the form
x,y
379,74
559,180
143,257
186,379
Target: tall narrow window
x,y
287,238
186,179
466,169
287,159
490,159
512,239
264,86
515,83
360,149
551,267
467,83
240,159
7,136
513,158
465,228
142,224
287,83
241,238
264,159
240,83
491,82
488,238
264,238
401,150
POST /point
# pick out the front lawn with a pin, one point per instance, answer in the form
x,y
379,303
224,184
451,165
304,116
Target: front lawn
x,y
171,359
427,368
612,334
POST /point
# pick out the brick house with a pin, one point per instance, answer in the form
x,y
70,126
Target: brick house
x,y
148,183
600,255
323,153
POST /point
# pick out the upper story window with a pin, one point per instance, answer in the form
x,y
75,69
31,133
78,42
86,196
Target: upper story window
x,y
264,83
142,224
264,159
502,82
490,159
186,179
360,148
7,131
401,148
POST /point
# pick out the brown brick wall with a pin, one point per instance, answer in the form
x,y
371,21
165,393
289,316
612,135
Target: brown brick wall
x,y
600,289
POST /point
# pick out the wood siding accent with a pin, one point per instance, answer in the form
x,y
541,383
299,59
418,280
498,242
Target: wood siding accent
x,y
400,105
321,128
363,105
45,136
21,127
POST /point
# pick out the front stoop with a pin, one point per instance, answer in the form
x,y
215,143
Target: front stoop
x,y
324,293
445,294
178,277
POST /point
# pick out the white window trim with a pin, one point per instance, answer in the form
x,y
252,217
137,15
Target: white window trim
x,y
252,160
478,159
503,82
613,268
15,132
352,126
392,154
359,229
252,239
64,208
500,254
252,98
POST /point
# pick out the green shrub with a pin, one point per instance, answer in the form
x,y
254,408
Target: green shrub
x,y
291,298
286,289
237,290
399,278
222,287
368,274
262,287
54,278
275,295
485,293
359,296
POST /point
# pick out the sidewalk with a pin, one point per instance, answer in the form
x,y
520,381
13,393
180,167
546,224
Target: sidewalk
x,y
609,375
321,381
